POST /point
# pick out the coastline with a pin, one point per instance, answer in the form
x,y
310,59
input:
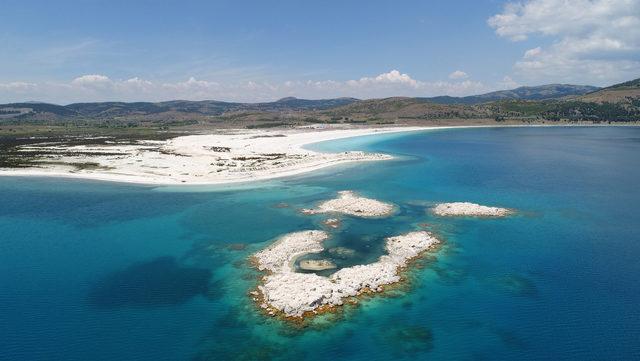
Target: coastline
x,y
296,142
190,146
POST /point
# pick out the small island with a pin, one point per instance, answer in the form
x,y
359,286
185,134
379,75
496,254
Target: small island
x,y
350,203
470,210
285,292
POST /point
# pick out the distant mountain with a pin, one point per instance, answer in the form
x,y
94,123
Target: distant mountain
x,y
555,102
21,109
169,109
297,104
205,107
542,92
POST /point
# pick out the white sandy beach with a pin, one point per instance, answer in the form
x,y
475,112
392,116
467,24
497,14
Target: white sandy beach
x,y
225,157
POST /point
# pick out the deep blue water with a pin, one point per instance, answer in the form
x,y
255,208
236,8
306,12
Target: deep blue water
x,y
101,271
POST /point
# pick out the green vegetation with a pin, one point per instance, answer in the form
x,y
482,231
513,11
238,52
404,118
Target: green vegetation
x,y
266,125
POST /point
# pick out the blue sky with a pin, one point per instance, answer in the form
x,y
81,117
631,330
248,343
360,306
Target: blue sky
x,y
67,51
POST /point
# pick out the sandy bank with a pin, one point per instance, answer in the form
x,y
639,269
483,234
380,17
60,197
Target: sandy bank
x,y
225,157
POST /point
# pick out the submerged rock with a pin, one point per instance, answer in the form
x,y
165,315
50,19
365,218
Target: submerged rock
x,y
408,340
332,223
514,284
317,265
341,252
237,246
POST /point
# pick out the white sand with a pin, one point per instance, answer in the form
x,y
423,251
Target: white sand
x,y
296,294
225,157
348,202
470,210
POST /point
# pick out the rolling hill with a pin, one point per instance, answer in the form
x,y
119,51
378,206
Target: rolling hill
x,y
555,102
626,92
542,92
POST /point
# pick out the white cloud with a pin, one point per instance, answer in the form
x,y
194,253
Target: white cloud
x,y
18,86
532,53
91,79
592,40
97,87
458,74
508,83
392,77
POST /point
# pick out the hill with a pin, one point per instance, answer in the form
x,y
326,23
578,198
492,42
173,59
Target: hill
x,y
542,92
626,93
555,102
169,111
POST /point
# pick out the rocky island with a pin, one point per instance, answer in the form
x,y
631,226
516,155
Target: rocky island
x,y
470,210
285,292
350,203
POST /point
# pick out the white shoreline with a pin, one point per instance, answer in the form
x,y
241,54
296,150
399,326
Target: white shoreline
x,y
312,136
129,168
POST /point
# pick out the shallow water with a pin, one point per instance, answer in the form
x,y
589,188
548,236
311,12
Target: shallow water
x,y
102,271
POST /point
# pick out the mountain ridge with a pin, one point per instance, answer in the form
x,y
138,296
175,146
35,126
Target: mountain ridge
x,y
540,92
619,102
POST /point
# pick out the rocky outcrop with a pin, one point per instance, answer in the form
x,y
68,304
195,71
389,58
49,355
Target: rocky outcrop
x,y
469,209
284,291
352,204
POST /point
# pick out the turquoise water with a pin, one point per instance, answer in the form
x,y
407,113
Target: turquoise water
x,y
102,271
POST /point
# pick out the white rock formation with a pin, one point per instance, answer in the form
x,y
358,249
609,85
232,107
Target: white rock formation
x,y
469,209
281,255
295,294
352,204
